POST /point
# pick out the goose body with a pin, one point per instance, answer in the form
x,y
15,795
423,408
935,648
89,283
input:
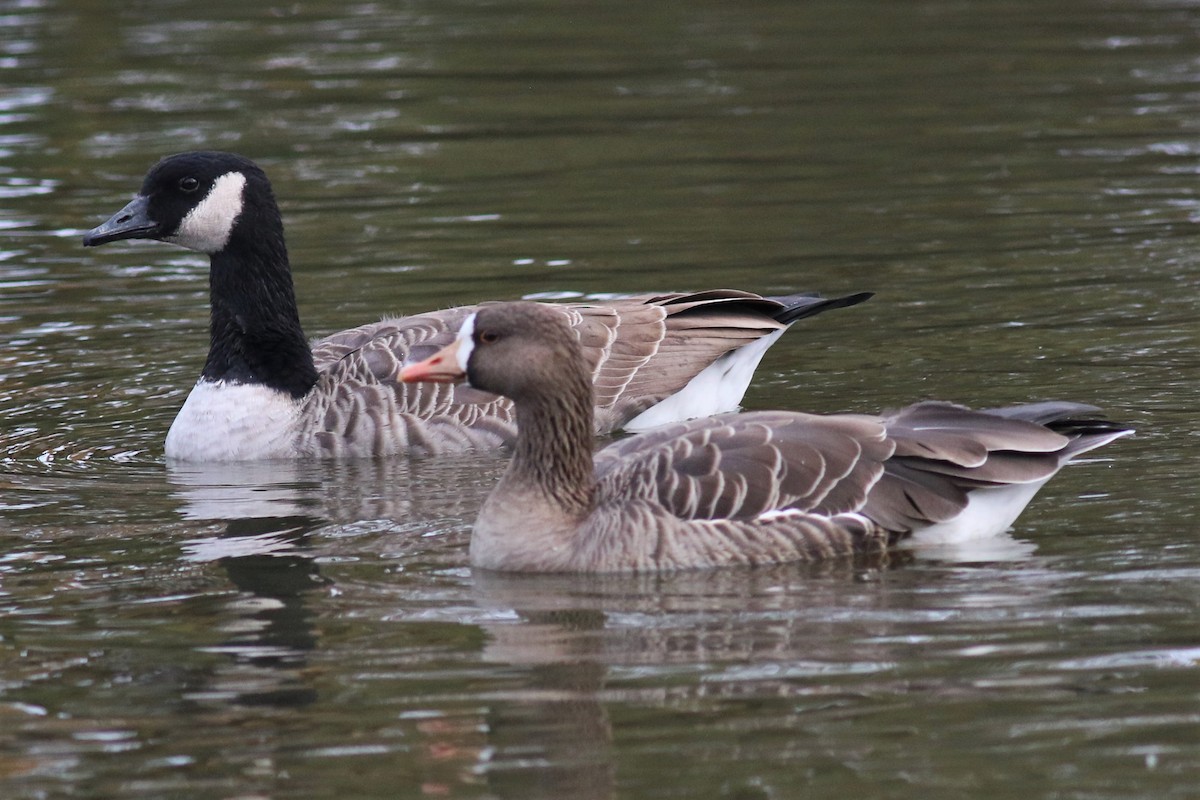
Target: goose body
x,y
265,392
752,488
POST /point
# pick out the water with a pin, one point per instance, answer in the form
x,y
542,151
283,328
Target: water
x,y
1017,182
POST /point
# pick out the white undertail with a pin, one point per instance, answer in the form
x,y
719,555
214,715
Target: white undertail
x,y
992,511
718,388
989,512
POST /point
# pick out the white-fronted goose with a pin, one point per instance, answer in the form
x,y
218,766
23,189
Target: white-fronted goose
x,y
753,488
266,393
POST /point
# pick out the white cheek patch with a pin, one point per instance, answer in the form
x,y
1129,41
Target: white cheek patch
x,y
207,227
466,342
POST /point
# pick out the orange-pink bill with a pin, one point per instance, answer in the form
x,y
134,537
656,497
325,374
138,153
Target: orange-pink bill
x,y
441,367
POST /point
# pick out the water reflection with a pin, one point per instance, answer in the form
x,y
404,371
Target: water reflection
x,y
268,629
244,491
805,655
552,732
402,489
276,523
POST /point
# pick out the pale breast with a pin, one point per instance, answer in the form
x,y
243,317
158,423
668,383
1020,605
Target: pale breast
x,y
233,422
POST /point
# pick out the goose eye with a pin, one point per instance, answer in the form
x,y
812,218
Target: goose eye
x,y
489,337
188,185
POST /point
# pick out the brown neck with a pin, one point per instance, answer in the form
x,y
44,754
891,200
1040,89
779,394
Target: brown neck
x,y
553,451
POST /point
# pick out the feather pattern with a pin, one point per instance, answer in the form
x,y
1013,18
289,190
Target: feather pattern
x,y
740,489
339,397
633,349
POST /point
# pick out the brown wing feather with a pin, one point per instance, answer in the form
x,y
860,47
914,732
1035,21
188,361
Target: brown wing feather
x,y
639,349
697,329
943,451
748,464
739,466
961,436
374,354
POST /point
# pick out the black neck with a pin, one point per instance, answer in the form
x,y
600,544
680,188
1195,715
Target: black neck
x,y
255,332
553,450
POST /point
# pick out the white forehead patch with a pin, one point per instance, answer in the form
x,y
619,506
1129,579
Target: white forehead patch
x,y
207,227
466,342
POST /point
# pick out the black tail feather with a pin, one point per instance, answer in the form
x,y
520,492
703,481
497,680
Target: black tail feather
x,y
799,306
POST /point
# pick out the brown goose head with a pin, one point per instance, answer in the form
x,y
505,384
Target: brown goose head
x,y
519,350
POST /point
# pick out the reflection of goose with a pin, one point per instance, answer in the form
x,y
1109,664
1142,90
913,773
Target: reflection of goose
x,y
752,488
264,393
254,490
266,629
350,491
578,649
686,617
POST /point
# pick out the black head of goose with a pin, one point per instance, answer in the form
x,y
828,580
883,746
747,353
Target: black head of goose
x,y
265,392
753,488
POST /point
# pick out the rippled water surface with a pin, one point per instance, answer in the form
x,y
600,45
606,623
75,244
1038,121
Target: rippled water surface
x,y
1016,180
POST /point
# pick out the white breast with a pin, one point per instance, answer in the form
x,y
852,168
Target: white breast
x,y
229,422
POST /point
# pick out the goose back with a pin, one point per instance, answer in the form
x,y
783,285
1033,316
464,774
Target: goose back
x,y
639,351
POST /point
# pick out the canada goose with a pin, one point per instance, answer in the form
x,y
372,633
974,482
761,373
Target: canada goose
x,y
753,488
265,392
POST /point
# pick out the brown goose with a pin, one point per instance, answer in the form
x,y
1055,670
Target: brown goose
x,y
266,393
752,488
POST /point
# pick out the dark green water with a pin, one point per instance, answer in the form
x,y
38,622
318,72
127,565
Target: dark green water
x,y
1016,180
